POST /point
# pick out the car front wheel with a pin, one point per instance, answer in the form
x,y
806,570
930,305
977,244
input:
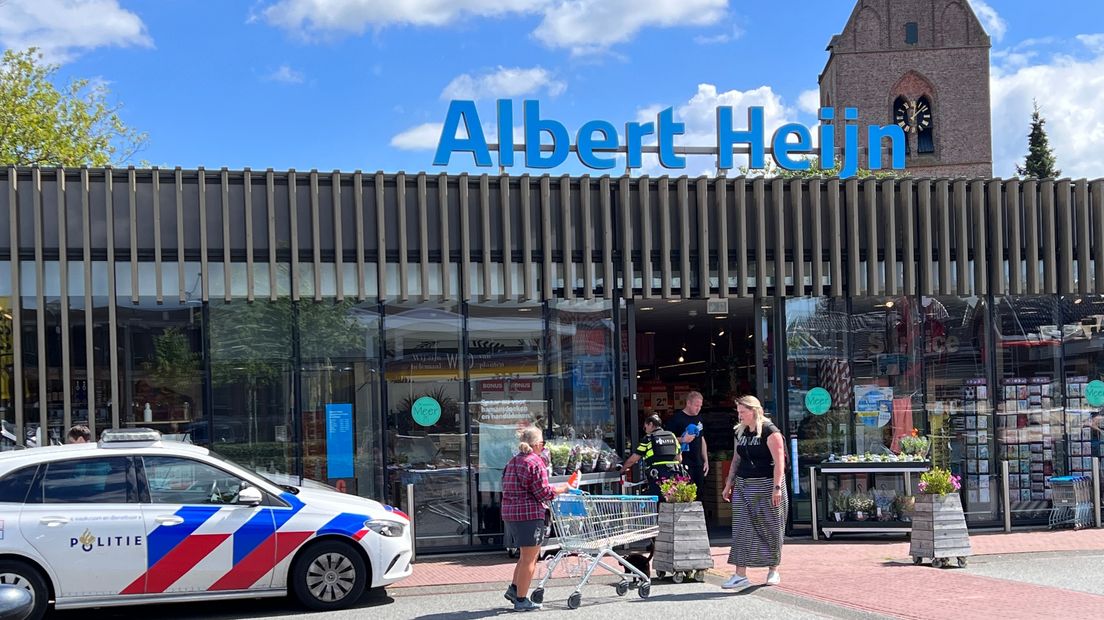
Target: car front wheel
x,y
329,575
24,576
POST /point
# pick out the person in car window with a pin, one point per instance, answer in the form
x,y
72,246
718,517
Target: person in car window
x,y
78,433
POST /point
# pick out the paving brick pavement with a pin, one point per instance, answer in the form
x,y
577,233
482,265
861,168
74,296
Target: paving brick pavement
x,y
872,576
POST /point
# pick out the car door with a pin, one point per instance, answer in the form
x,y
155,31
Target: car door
x,y
83,518
199,538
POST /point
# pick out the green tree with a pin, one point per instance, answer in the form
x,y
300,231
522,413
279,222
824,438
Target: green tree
x,y
816,171
47,125
1041,162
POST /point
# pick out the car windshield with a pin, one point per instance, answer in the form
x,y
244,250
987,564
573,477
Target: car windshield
x,y
266,478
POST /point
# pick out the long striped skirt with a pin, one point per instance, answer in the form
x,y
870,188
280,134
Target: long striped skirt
x,y
757,527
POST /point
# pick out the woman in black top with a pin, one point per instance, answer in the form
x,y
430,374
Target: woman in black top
x,y
756,486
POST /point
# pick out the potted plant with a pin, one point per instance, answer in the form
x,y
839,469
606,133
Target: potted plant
x,y
560,453
938,523
682,546
861,506
904,505
915,445
840,505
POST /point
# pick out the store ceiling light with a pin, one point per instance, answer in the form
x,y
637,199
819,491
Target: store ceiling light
x,y
889,304
720,316
681,359
684,348
720,333
647,308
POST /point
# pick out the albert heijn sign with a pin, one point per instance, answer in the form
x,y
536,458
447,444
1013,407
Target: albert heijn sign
x,y
597,142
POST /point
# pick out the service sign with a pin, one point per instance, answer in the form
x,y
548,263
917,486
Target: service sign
x,y
597,142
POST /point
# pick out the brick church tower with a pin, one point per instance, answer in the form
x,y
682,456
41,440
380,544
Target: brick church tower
x,y
923,64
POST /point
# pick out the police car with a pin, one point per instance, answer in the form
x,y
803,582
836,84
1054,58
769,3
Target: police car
x,y
135,519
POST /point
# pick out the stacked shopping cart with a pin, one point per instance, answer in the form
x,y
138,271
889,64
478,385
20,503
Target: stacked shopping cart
x,y
589,527
1072,502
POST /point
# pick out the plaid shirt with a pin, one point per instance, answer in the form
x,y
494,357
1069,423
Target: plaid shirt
x,y
525,488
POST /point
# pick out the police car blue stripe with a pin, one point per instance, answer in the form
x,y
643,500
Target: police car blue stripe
x,y
256,530
164,539
345,523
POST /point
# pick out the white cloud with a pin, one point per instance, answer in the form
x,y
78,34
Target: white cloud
x,y
993,22
1066,89
505,82
421,138
587,26
61,29
582,26
286,75
809,101
725,37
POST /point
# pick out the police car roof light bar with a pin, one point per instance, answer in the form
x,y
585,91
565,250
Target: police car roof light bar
x,y
130,435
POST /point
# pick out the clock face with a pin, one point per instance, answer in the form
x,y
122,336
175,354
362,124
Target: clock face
x,y
912,115
923,116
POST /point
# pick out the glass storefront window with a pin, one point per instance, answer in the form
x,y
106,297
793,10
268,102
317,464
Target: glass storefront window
x,y
817,357
340,384
507,392
1082,341
426,425
7,361
1029,398
251,370
581,370
958,398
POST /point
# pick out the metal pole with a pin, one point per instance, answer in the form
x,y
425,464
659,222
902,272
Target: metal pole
x,y
1096,491
411,512
1007,500
813,499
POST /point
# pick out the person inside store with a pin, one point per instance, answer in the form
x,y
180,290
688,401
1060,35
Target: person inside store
x,y
78,433
1096,423
756,486
525,494
661,453
687,426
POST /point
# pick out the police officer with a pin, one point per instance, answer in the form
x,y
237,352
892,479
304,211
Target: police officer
x,y
661,454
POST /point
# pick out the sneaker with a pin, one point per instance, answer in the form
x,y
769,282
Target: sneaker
x,y
773,578
524,604
511,593
736,581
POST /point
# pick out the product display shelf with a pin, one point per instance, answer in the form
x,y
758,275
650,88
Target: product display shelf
x,y
818,486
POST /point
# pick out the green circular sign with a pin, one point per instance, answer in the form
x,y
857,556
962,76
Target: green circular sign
x,y
1094,393
426,411
818,401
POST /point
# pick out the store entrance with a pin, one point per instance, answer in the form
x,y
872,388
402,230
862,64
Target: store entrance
x,y
706,346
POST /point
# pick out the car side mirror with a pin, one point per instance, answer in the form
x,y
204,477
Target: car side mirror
x,y
250,496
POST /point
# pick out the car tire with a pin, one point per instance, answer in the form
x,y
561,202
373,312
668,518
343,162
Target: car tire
x,y
329,575
24,575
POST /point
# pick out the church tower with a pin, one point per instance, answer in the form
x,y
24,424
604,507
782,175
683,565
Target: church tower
x,y
923,64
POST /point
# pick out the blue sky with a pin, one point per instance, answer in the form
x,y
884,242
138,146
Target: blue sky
x,y
364,84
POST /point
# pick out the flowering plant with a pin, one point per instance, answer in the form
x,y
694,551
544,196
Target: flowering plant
x,y
678,490
915,444
939,481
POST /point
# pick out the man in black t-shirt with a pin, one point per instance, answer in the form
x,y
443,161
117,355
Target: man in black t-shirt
x,y
687,426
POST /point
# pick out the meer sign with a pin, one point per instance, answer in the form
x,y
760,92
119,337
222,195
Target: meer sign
x,y
597,141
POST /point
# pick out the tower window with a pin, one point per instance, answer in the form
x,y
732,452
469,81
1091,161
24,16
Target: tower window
x,y
912,33
925,137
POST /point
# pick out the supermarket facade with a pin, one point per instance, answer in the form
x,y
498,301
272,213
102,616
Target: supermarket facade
x,y
376,331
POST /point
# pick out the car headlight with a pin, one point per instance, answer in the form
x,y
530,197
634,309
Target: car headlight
x,y
390,529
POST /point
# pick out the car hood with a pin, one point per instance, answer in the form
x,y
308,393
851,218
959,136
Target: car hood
x,y
342,502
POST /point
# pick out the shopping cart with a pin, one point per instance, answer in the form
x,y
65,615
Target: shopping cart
x,y
1071,497
590,526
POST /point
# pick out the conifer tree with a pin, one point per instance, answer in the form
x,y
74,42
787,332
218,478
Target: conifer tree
x,y
1041,162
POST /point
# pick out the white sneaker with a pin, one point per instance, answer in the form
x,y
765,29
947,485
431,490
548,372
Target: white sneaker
x,y
736,581
773,578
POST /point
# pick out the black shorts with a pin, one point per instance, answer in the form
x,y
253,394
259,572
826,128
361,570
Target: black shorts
x,y
525,533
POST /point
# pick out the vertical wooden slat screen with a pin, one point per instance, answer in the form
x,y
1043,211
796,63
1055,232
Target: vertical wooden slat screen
x,y
1012,215
608,283
701,192
873,238
816,223
548,276
1064,235
465,238
889,207
943,206
721,191
854,275
293,218
1031,235
998,281
835,238
683,207
908,231
270,213
797,214
159,283
381,235
89,334
247,202
981,243
203,273
339,246
759,206
1047,250
112,315
63,299
132,200
446,260
586,229
627,271
423,237
525,191
1098,235
644,191
927,248
778,214
566,238
665,235
40,301
739,194
404,243
358,214
961,210
227,272
507,238
1084,237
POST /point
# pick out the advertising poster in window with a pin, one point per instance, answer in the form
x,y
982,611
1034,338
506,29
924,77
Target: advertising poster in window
x,y
339,440
502,414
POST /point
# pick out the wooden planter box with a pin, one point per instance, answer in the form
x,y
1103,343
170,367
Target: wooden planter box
x,y
682,546
939,530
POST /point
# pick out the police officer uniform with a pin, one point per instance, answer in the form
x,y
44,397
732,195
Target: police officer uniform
x,y
659,453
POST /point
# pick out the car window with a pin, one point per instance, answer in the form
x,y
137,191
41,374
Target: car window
x,y
100,481
14,486
173,480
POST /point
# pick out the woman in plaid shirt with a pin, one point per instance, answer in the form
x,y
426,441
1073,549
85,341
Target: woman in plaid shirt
x,y
525,493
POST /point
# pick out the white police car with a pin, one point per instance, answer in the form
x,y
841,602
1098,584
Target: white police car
x,y
134,519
